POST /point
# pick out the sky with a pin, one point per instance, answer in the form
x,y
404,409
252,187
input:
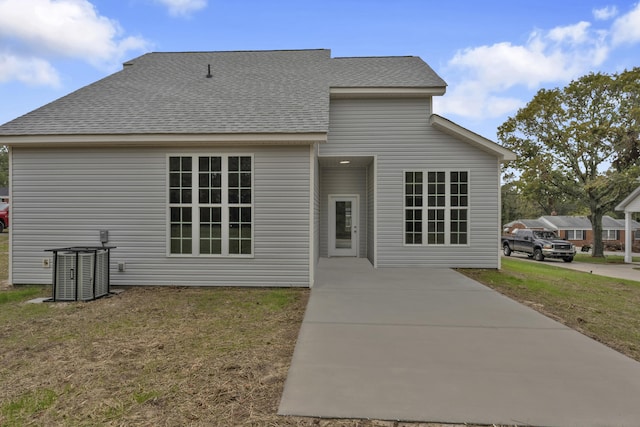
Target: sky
x,y
494,55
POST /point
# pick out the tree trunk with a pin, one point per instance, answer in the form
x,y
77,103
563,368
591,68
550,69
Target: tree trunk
x,y
596,226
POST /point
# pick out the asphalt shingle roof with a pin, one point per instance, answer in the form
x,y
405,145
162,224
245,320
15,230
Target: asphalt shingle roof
x,y
249,92
391,71
568,222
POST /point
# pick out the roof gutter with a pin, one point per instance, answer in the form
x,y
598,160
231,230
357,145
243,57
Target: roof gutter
x,y
160,140
473,138
386,92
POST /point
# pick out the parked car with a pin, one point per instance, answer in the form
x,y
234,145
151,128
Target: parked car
x,y
538,245
4,216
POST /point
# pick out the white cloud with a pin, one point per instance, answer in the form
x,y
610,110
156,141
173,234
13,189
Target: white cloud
x,y
47,29
488,75
573,34
473,100
605,13
32,71
183,7
626,29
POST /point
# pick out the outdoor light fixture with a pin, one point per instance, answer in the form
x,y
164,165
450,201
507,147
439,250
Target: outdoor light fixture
x,y
345,162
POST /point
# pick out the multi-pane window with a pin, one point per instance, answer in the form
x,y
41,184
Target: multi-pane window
x,y
211,205
610,235
413,207
445,209
240,205
436,204
459,196
180,204
575,234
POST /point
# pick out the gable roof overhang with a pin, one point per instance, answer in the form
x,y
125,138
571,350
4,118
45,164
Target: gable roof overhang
x,y
484,144
162,140
386,92
628,201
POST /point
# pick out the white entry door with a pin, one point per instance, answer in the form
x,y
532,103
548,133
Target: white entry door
x,y
343,225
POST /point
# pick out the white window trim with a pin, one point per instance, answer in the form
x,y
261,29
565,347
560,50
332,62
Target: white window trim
x,y
608,233
447,209
195,206
582,233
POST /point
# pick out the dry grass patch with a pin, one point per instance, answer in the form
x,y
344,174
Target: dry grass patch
x,y
150,356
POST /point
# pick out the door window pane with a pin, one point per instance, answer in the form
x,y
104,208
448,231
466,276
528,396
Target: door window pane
x,y
343,225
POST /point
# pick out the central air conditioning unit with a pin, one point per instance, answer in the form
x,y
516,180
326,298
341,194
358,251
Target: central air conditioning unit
x,y
80,274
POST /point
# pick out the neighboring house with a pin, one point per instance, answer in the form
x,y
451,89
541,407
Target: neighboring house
x,y
245,168
578,229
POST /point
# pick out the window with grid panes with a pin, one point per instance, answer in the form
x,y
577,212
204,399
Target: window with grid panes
x,y
413,208
210,200
240,205
436,203
440,199
575,234
459,195
180,204
211,214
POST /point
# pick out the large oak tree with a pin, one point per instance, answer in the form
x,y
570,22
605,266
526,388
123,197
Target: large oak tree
x,y
580,142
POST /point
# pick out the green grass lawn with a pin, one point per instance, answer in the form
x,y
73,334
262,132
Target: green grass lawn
x,y
604,308
608,259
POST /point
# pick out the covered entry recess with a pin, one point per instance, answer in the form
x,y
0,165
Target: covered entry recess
x,y
347,207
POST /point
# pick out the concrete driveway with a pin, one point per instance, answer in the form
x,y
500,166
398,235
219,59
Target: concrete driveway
x,y
433,345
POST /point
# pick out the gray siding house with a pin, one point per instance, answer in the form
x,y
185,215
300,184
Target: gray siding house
x,y
247,168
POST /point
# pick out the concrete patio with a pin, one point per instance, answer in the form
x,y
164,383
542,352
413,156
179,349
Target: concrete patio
x,y
433,345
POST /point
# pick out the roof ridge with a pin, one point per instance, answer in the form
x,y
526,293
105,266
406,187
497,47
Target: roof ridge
x,y
238,51
370,57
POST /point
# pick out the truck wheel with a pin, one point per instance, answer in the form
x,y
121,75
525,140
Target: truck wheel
x,y
1,226
537,255
567,259
506,250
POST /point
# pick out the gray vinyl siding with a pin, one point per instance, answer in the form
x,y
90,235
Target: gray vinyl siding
x,y
370,213
316,210
399,134
63,197
343,181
